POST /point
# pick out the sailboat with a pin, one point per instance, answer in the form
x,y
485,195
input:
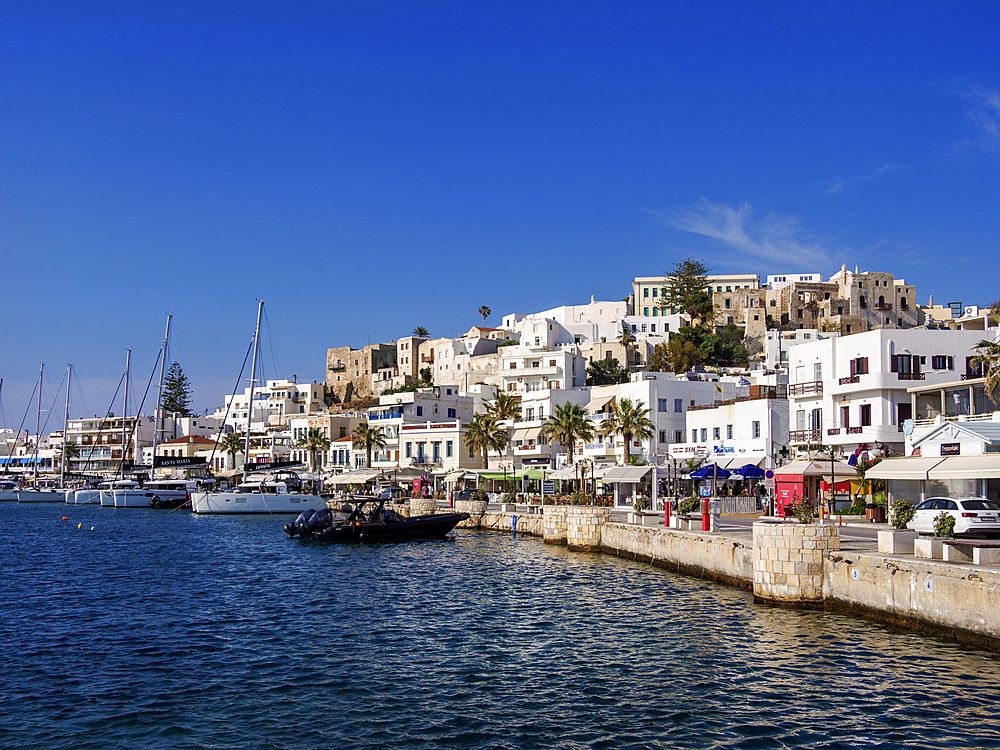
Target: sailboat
x,y
37,494
266,492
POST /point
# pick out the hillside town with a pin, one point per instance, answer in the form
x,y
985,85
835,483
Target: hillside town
x,y
688,369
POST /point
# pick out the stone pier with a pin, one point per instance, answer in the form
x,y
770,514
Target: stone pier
x,y
584,524
788,561
422,506
554,524
476,510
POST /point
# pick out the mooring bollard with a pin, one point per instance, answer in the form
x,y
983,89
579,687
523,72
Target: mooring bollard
x,y
513,524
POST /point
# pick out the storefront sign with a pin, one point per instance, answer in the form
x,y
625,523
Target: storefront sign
x,y
951,449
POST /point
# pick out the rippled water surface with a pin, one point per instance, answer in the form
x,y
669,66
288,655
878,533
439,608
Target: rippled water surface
x,y
166,630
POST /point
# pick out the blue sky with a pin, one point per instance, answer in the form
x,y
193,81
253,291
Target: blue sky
x,y
366,168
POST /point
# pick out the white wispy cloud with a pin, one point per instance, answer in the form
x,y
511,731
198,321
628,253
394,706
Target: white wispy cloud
x,y
837,184
778,239
983,112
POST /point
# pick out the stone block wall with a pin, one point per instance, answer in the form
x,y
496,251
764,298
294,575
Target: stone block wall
x,y
554,524
423,506
476,510
788,560
583,526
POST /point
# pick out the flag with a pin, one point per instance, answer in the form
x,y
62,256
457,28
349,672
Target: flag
x,y
718,388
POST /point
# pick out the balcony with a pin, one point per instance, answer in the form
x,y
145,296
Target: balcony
x,y
805,436
542,371
911,375
852,379
882,306
855,430
806,389
833,431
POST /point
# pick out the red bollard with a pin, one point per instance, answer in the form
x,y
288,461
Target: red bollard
x,y
706,519
666,513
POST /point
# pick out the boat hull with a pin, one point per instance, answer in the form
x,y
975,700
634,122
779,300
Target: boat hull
x,y
429,527
84,497
238,503
41,496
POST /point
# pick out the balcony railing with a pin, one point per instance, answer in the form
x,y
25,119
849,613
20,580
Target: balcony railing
x,y
833,431
911,375
852,379
805,436
806,389
854,430
882,306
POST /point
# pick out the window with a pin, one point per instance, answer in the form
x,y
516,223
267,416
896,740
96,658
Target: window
x,y
420,411
449,448
728,303
645,293
694,436
448,391
663,436
645,312
755,429
409,450
845,416
654,292
704,434
451,413
655,312
715,433
678,404
729,432
866,415
678,436
661,405
942,362
859,366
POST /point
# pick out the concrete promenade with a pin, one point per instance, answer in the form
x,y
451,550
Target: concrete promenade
x,y
829,566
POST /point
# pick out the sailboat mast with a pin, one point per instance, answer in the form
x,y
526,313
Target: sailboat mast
x,y
38,422
62,464
128,357
159,397
253,380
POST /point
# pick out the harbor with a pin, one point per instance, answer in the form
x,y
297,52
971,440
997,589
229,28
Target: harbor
x,y
191,631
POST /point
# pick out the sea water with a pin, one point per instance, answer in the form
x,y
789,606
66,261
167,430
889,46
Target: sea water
x,y
133,628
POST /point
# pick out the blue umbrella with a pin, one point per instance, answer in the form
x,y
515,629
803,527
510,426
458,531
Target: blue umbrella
x,y
750,471
709,471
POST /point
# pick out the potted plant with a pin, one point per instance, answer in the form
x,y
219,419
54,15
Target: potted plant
x,y
803,510
899,540
932,548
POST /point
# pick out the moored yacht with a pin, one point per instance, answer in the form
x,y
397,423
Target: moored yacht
x,y
157,493
272,495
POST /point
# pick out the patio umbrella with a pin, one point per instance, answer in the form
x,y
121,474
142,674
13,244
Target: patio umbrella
x,y
710,471
749,471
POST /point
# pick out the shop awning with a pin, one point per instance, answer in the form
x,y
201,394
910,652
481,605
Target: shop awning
x,y
527,433
454,475
630,474
568,472
986,466
816,467
599,403
914,467
353,477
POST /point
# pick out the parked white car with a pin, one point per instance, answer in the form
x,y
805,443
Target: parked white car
x,y
974,516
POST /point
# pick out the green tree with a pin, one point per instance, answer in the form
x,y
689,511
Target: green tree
x,y
659,360
988,358
315,440
605,372
684,352
485,312
626,338
176,392
426,375
567,424
687,291
368,437
506,406
629,420
421,331
484,435
233,443
67,452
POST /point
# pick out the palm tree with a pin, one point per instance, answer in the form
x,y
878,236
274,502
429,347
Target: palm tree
x,y
315,440
233,443
625,338
568,424
505,406
485,312
368,437
630,421
67,452
421,331
484,435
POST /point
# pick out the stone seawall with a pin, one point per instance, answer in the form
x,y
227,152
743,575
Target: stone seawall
x,y
801,566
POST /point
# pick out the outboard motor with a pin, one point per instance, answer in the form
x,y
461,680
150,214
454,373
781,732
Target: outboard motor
x,y
301,524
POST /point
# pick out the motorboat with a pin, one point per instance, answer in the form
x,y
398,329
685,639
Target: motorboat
x,y
370,521
8,490
85,496
41,495
276,494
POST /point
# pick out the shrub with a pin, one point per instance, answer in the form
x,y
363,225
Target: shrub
x,y
944,525
688,505
803,511
641,503
480,496
509,497
902,513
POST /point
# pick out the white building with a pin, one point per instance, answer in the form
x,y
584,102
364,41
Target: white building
x,y
852,390
272,403
751,428
647,291
783,280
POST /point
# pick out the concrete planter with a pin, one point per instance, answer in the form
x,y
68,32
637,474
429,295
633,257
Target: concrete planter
x,y
788,560
928,548
896,542
422,506
508,508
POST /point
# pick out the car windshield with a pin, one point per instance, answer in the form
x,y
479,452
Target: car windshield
x,y
980,505
927,505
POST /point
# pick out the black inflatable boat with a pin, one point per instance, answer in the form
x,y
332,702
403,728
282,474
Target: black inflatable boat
x,y
371,521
